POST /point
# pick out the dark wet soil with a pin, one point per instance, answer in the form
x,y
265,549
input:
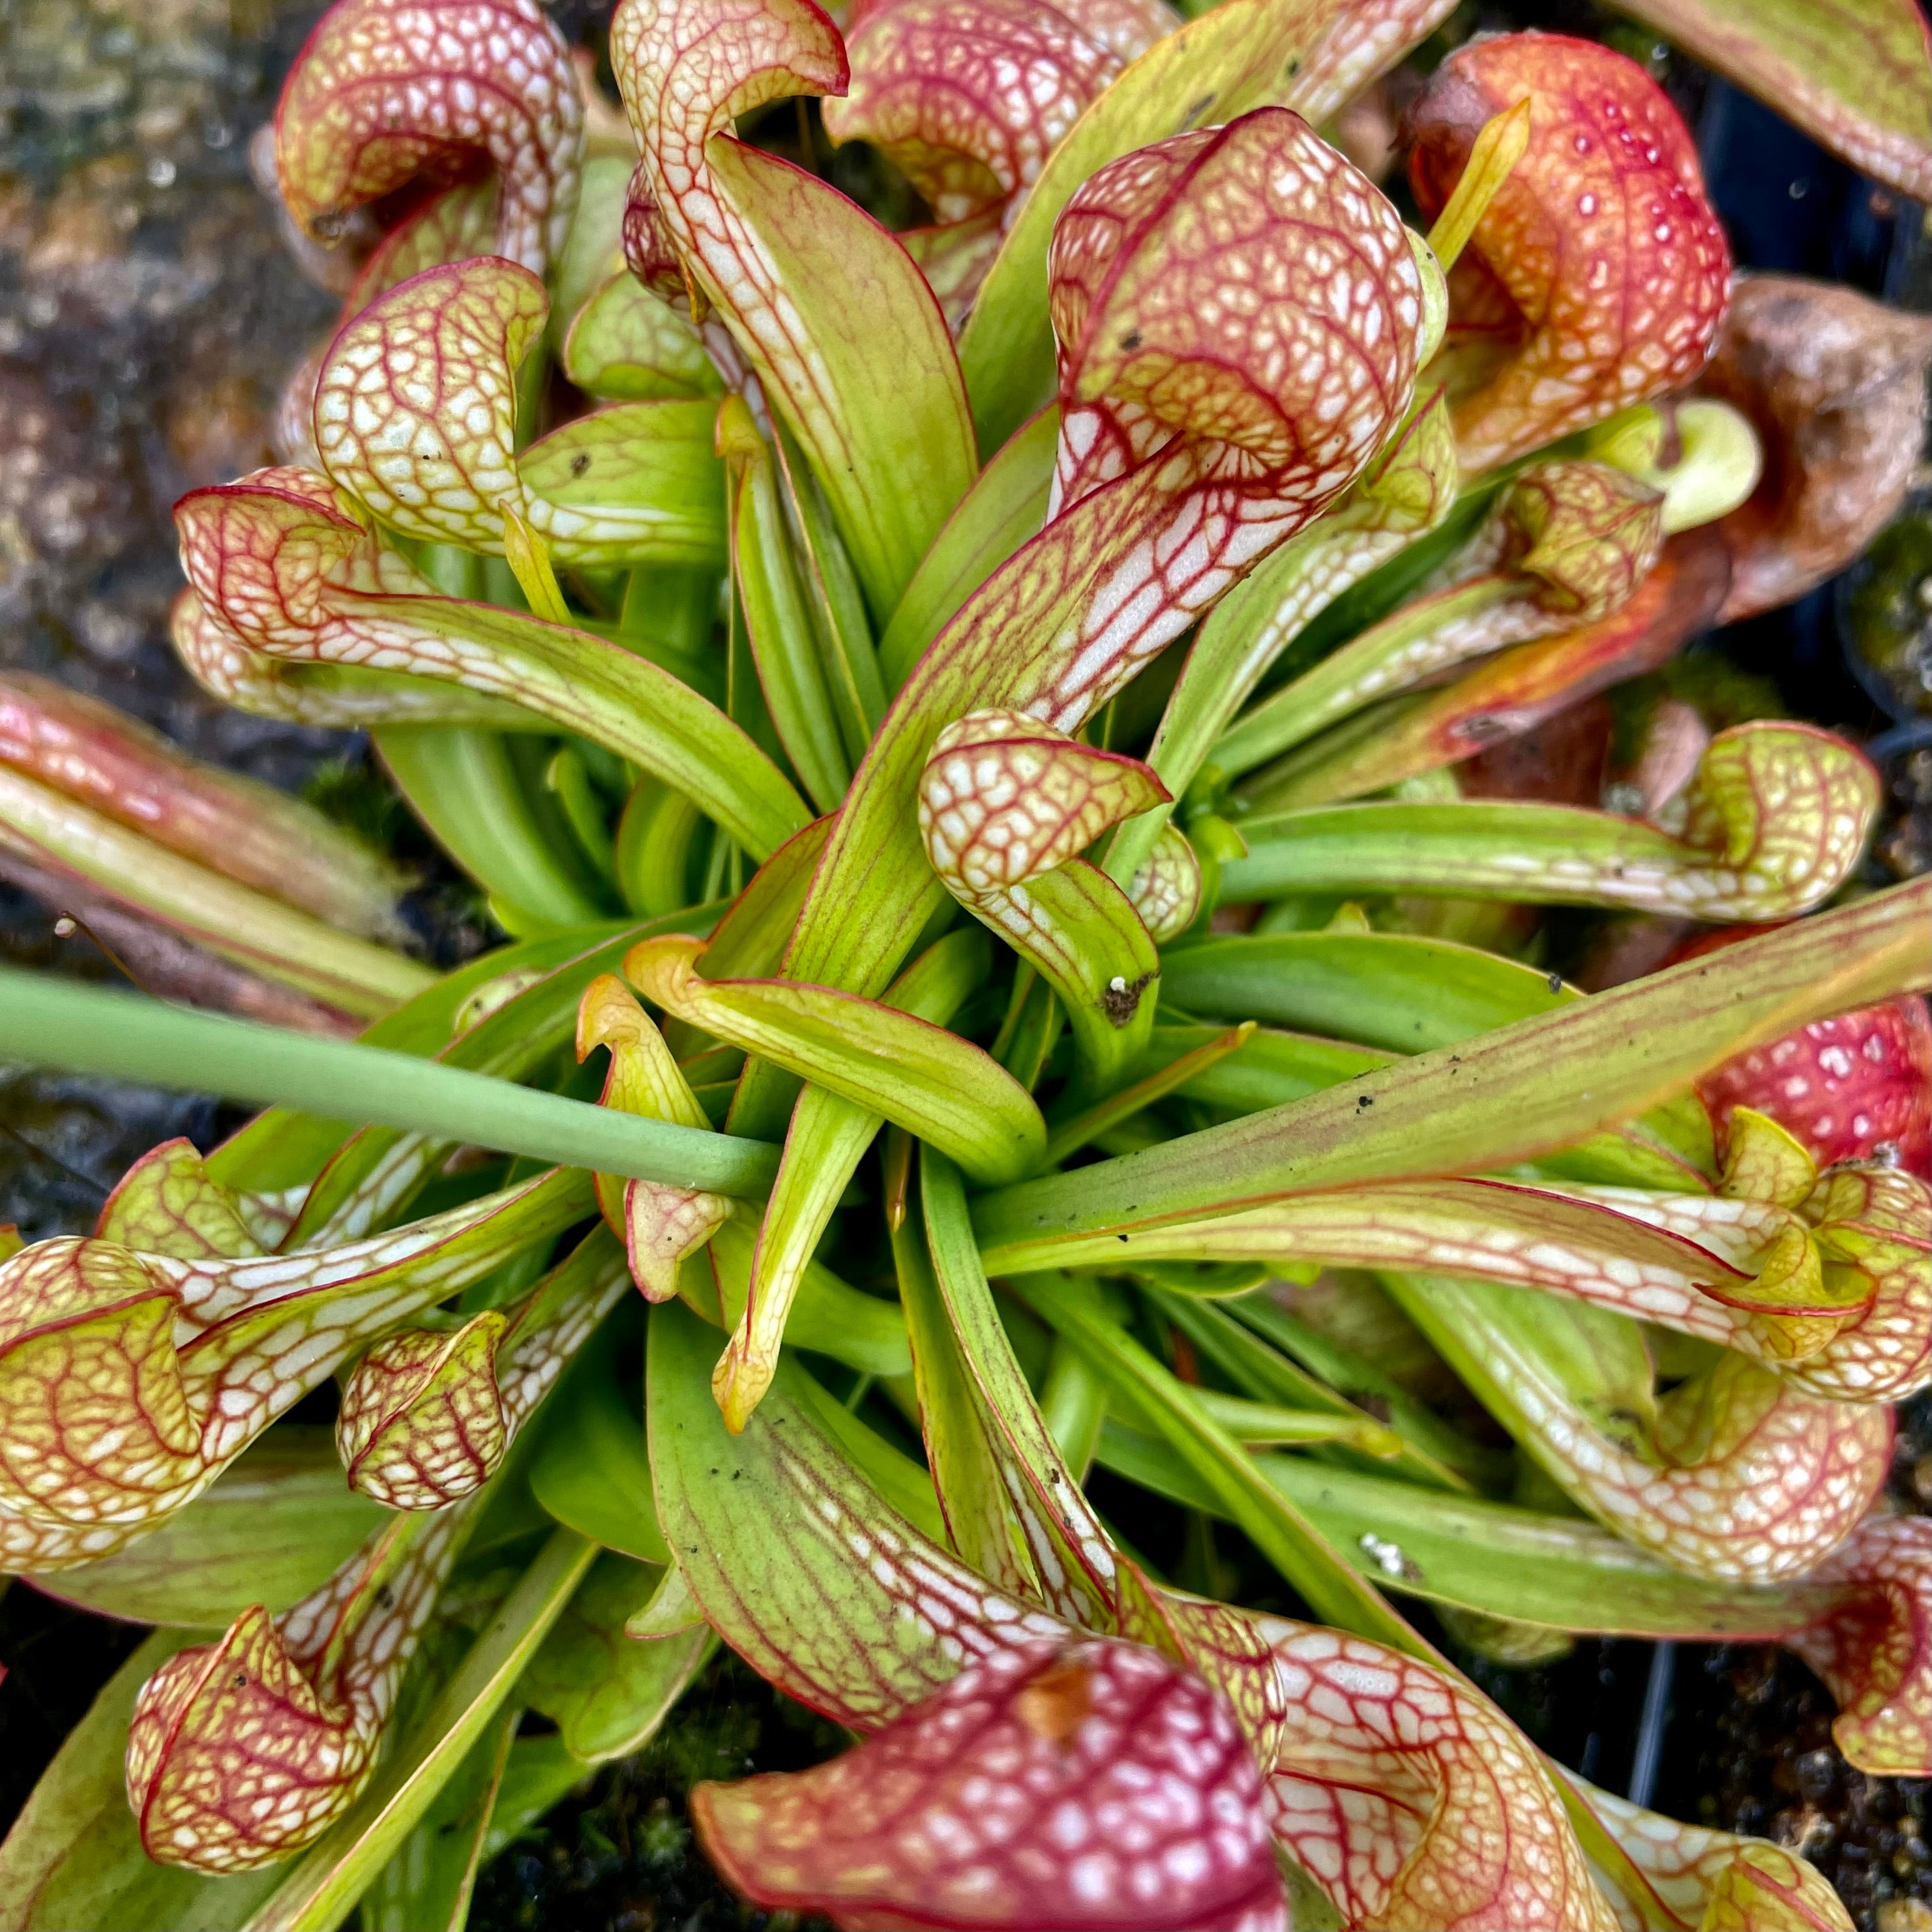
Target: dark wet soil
x,y
621,1855
148,313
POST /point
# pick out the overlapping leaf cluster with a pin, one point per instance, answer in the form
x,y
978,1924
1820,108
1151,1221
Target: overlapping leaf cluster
x,y
962,729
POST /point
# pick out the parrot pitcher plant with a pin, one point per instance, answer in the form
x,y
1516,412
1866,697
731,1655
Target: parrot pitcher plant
x,y
962,732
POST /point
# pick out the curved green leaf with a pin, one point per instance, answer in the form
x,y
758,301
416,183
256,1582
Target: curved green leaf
x,y
590,1470
847,340
607,1693
1778,815
629,345
1518,1091
429,1881
828,1135
774,1529
1243,54
1562,1572
919,1076
614,697
784,642
1394,991
1005,505
637,483
273,1528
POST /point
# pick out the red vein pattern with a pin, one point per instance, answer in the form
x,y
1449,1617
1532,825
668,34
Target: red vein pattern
x,y
1852,1088
235,673
415,406
421,1422
1004,798
427,1415
1713,1880
284,561
1875,1653
388,92
1006,806
1569,543
1166,889
1121,571
1742,1273
414,416
1220,1641
1387,1780
132,1380
659,1225
1414,1802
243,1751
968,97
1840,1301
1785,809
166,1203
686,73
1599,263
450,226
1746,1478
262,552
1772,823
1588,533
1763,1481
1877,1223
1090,1784
1243,285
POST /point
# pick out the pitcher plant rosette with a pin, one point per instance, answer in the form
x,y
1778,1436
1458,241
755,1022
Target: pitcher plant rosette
x,y
969,734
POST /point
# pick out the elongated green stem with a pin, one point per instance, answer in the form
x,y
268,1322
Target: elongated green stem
x,y
565,778
1426,1448
461,781
1775,818
1005,505
652,852
667,616
1363,1382
49,1022
1247,631
1260,1423
1409,491
1563,1573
